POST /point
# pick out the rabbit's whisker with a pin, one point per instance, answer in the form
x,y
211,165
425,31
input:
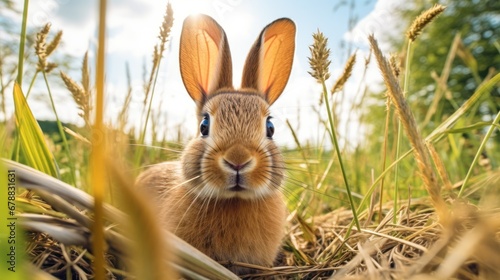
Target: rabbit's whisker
x,y
190,192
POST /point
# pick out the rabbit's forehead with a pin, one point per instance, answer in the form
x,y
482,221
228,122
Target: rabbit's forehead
x,y
237,112
242,105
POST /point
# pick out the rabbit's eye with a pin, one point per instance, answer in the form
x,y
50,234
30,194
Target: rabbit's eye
x,y
204,125
269,128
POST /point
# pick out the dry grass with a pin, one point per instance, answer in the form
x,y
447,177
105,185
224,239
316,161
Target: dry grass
x,y
346,74
464,247
80,96
418,247
408,120
43,50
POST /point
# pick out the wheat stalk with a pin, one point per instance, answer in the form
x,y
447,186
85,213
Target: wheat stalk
x,y
410,125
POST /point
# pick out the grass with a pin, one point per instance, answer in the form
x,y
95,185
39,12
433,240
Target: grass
x,y
437,219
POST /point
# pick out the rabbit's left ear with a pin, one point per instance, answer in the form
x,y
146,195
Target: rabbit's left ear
x,y
270,60
204,57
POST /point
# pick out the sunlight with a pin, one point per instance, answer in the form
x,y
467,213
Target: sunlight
x,y
185,8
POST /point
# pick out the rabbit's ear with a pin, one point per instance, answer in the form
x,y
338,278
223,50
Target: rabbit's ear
x,y
204,57
269,62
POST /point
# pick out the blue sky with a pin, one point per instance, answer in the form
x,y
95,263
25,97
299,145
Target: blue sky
x,y
133,30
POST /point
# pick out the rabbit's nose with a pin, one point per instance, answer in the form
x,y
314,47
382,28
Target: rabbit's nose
x,y
238,158
236,167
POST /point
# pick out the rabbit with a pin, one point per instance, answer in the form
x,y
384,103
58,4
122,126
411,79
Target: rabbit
x,y
223,196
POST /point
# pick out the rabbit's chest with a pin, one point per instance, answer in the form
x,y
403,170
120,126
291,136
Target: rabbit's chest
x,y
235,230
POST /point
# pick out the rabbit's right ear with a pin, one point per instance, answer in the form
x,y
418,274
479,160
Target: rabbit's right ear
x,y
270,60
204,57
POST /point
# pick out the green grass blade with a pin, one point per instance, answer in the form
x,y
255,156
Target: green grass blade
x,y
61,131
468,128
337,149
483,89
22,43
400,132
479,151
32,141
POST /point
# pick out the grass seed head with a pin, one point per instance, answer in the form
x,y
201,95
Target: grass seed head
x,y
339,84
319,60
422,20
41,46
54,43
394,62
81,97
43,50
86,73
50,66
166,26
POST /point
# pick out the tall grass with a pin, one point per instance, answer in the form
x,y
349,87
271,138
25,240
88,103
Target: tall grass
x,y
319,62
22,44
97,158
348,216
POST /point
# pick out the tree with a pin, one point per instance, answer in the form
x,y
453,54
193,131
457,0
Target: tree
x,y
477,56
474,25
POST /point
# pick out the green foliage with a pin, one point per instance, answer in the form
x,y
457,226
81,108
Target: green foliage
x,y
450,62
31,139
478,53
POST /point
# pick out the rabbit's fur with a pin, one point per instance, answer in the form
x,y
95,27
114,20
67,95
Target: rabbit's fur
x,y
223,196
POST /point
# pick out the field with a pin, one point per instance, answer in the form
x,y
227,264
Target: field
x,y
417,198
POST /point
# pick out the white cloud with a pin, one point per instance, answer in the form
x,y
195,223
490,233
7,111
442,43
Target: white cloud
x,y
384,23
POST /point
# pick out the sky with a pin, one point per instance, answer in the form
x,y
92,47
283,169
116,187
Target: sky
x,y
132,29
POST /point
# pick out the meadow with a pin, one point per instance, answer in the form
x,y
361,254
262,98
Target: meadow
x,y
416,202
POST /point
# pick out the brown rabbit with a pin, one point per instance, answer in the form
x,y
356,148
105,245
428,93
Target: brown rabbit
x,y
223,196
